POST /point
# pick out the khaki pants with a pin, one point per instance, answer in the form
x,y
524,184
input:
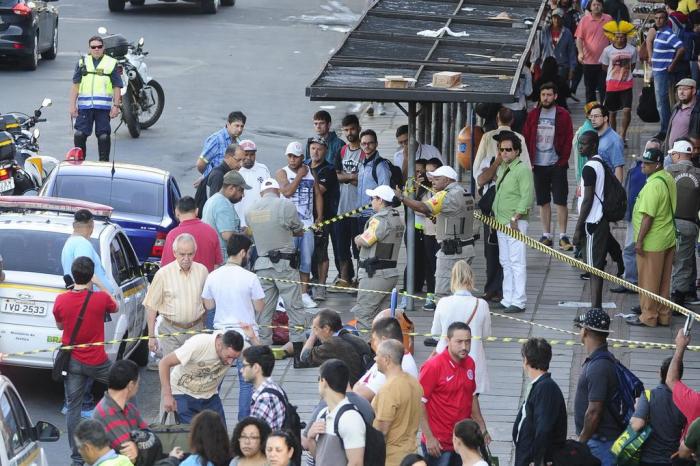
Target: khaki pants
x,y
370,304
291,295
655,276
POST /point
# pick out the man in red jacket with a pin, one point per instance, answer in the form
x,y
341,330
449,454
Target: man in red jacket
x,y
548,134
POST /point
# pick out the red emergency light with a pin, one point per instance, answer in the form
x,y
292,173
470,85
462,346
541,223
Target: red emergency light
x,y
52,204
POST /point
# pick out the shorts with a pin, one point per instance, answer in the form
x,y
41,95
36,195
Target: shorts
x,y
320,246
616,101
87,117
551,183
597,243
344,232
305,245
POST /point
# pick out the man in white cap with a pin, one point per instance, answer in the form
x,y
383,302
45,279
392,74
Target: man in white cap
x,y
296,182
379,246
253,172
685,117
274,222
454,208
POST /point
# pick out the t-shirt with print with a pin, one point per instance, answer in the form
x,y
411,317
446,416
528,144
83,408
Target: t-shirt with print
x,y
545,155
374,380
303,197
200,370
593,174
348,162
619,62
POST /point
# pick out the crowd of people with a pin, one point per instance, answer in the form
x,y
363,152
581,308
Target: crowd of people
x,y
254,240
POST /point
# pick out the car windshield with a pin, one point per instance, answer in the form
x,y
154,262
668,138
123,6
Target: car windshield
x,y
124,196
7,3
45,247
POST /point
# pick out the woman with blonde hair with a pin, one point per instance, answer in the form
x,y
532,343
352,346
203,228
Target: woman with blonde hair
x,y
462,306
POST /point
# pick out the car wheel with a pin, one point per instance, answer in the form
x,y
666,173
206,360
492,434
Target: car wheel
x,y
228,2
137,2
32,61
51,53
117,5
209,6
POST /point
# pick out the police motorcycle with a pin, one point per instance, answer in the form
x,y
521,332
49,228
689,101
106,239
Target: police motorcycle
x,y
22,169
143,98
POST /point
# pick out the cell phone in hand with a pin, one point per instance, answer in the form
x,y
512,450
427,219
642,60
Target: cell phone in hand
x,y
688,324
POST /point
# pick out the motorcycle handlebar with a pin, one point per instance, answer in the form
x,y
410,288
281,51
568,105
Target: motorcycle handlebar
x,y
40,120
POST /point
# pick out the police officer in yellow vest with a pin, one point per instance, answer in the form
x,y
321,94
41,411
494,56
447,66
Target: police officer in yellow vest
x,y
95,97
453,208
379,250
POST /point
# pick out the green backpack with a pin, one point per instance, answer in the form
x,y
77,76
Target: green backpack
x,y
628,446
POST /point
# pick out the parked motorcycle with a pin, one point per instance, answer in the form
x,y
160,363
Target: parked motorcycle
x,y
143,98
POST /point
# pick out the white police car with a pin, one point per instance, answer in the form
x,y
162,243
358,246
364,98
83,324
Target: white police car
x,y
33,231
19,438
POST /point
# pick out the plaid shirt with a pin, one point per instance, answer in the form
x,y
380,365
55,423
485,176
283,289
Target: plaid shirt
x,y
214,149
267,406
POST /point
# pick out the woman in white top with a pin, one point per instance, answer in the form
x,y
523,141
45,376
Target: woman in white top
x,y
469,443
462,306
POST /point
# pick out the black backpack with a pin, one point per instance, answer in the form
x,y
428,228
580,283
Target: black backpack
x,y
200,196
360,347
646,109
396,177
292,422
615,196
375,445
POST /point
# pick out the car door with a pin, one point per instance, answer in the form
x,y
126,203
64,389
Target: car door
x,y
40,9
20,447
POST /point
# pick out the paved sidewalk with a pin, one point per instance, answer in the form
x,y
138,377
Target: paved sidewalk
x,y
548,283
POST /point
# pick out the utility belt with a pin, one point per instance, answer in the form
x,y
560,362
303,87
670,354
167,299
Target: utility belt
x,y
275,256
450,247
373,264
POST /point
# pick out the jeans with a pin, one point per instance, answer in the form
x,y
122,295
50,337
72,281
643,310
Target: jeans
x,y
188,407
447,458
600,448
662,81
74,386
209,318
629,255
245,392
305,245
594,80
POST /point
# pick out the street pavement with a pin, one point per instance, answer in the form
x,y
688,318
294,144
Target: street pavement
x,y
258,57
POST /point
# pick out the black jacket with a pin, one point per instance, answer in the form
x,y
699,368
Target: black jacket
x,y
544,427
215,179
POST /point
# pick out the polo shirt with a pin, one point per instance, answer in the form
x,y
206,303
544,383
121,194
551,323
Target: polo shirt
x,y
208,249
665,45
611,148
598,382
176,294
448,392
658,200
118,422
687,401
514,191
590,31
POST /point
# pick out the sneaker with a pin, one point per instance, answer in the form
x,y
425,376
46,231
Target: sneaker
x,y
339,282
429,304
370,110
320,293
403,304
585,276
86,413
546,241
513,309
152,365
308,302
64,409
565,244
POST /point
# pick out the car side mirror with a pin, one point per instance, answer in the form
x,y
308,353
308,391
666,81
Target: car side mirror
x,y
46,432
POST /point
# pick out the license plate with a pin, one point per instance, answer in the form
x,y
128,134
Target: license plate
x,y
7,185
16,306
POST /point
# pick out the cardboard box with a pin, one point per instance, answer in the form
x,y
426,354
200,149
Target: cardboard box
x,y
397,82
447,79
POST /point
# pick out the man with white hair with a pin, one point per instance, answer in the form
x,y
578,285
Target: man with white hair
x,y
175,294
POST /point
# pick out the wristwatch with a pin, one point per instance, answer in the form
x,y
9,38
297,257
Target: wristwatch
x,y
513,219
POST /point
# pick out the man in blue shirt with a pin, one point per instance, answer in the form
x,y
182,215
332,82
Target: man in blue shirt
x,y
372,172
215,146
611,147
219,212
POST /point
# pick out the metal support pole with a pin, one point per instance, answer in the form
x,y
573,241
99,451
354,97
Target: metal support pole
x,y
471,121
410,215
458,128
437,124
451,115
420,123
428,115
445,149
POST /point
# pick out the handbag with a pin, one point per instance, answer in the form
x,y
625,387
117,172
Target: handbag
x,y
171,435
60,363
628,446
646,110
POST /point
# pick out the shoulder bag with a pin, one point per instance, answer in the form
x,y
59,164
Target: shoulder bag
x,y
60,363
628,446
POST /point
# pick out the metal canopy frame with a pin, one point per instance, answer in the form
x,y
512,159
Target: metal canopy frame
x,y
385,42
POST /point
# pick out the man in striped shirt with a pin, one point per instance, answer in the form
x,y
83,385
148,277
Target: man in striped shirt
x,y
666,51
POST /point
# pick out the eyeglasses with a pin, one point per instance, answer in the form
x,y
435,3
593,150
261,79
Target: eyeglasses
x,y
96,47
505,149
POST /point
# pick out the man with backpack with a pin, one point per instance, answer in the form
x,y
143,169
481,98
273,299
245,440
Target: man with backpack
x,y
269,400
597,421
655,232
373,171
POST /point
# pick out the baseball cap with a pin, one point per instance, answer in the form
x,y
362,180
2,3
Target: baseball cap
x,y
233,178
558,12
595,319
383,192
652,156
248,145
294,148
269,183
318,140
686,82
682,146
446,171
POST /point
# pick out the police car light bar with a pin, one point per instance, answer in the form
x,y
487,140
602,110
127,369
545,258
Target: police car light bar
x,y
52,204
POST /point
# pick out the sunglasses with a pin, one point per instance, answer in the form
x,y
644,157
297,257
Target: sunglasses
x,y
505,149
96,47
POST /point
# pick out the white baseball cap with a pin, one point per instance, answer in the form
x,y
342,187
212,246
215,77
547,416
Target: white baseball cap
x,y
295,148
248,145
383,192
446,171
269,183
683,147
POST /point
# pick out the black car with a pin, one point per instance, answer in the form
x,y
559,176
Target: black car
x,y
28,28
205,6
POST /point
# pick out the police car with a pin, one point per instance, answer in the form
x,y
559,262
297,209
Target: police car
x,y
33,231
19,438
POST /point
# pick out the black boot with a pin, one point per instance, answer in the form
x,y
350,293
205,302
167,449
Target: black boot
x,y
298,363
80,140
103,143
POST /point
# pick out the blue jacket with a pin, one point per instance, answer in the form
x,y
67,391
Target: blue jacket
x,y
565,50
634,182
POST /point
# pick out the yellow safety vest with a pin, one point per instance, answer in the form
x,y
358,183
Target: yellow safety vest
x,y
95,90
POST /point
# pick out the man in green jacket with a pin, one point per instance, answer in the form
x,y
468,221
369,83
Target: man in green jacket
x,y
511,206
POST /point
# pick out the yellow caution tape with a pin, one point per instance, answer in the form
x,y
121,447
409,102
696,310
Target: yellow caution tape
x,y
347,214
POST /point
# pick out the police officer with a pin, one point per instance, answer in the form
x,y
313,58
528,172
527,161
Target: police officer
x,y
274,222
95,97
379,246
453,208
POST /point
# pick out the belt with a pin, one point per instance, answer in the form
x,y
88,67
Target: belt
x,y
185,326
466,242
381,264
283,255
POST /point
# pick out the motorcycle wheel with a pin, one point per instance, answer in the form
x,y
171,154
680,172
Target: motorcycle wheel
x,y
116,5
129,112
157,107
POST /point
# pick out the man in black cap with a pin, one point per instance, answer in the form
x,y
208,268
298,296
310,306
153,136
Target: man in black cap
x,y
595,424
